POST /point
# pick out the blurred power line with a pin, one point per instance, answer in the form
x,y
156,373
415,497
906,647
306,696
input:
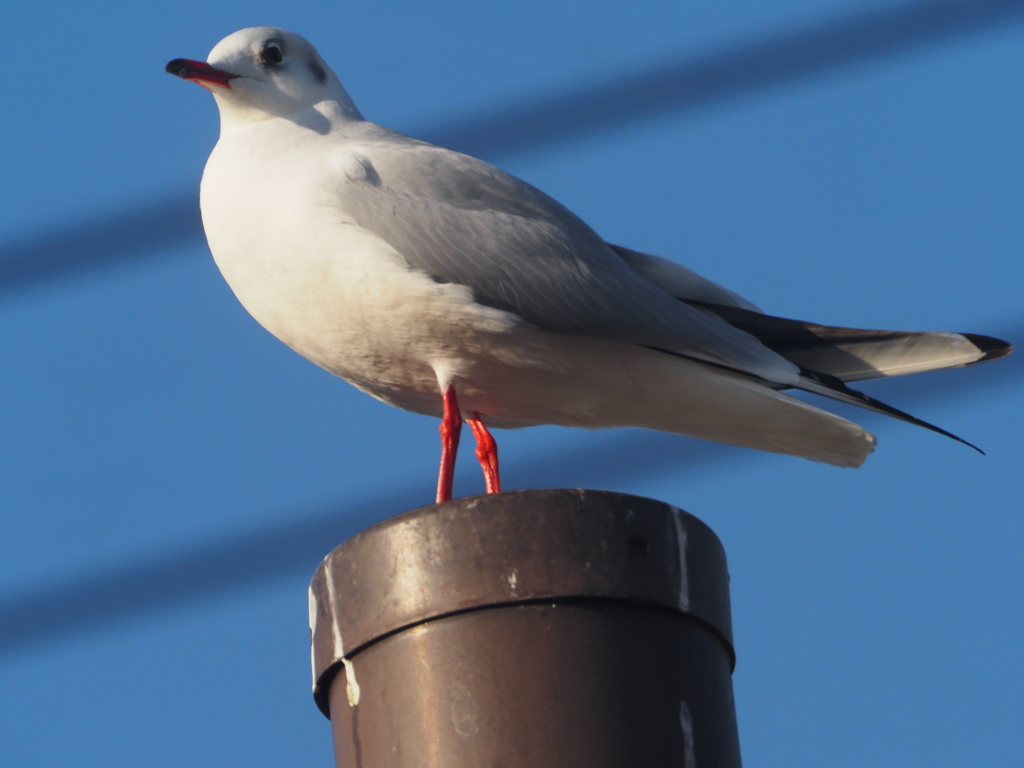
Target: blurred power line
x,y
690,82
248,560
173,221
67,251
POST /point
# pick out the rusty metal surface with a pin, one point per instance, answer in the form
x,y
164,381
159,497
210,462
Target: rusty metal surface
x,y
565,684
510,548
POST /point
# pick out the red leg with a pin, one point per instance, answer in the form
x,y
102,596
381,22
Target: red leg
x,y
451,429
486,453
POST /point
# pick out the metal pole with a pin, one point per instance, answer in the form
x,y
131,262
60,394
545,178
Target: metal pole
x,y
545,628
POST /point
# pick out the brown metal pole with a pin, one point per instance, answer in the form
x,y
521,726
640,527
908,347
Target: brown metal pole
x,y
540,629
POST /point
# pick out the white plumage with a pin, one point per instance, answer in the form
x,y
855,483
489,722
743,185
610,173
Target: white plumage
x,y
406,269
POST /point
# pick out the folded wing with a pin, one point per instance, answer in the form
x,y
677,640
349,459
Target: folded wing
x,y
460,220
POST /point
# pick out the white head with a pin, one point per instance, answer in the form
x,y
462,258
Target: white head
x,y
263,72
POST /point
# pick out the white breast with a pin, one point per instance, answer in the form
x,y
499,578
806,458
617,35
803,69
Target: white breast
x,y
338,295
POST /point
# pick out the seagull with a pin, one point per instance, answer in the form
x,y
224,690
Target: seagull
x,y
440,284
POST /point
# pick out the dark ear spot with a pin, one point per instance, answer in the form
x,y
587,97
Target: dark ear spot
x,y
317,70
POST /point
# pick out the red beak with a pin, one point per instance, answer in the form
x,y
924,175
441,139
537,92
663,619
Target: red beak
x,y
200,73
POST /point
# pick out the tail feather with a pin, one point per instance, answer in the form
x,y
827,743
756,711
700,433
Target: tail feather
x,y
692,398
828,356
835,388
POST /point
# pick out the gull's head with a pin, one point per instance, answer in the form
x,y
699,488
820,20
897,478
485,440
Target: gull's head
x,y
263,72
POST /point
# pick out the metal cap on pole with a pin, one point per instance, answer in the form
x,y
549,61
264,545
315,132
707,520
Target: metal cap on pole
x,y
534,628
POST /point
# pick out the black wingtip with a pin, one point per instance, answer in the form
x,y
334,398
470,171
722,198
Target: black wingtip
x,y
840,391
904,416
958,439
993,349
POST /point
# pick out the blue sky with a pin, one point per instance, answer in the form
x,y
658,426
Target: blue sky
x,y
147,421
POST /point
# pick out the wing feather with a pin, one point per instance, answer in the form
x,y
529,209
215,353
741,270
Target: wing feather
x,y
463,221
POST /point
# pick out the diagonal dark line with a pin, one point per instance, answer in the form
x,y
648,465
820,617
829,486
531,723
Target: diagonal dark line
x,y
242,562
693,82
125,592
155,228
67,251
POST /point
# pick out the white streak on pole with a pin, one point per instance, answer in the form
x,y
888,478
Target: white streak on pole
x,y
686,721
684,575
332,597
351,686
312,633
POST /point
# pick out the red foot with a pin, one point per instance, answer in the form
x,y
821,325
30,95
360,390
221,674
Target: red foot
x,y
486,453
451,429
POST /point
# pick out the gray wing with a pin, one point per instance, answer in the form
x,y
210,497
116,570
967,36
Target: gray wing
x,y
463,221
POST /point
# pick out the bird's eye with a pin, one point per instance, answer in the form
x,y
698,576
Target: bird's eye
x,y
271,54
